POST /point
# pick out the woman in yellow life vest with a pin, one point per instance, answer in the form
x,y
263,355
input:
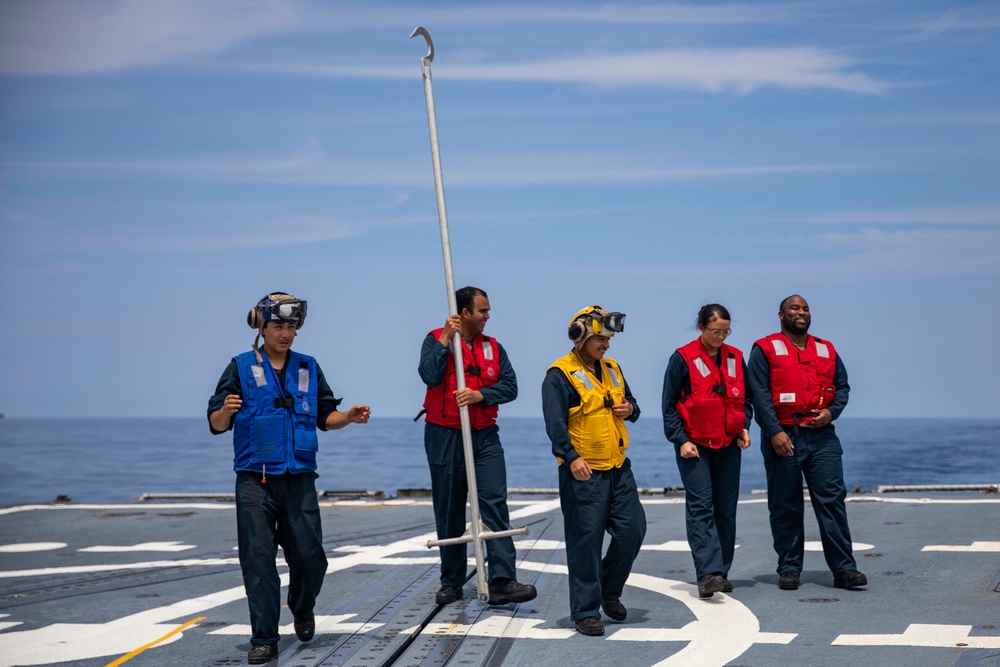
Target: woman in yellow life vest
x,y
586,402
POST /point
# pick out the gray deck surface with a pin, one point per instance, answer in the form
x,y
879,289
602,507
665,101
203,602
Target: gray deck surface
x,y
145,584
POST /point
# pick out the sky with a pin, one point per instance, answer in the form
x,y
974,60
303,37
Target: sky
x,y
163,165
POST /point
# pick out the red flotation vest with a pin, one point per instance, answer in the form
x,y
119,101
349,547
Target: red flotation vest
x,y
713,413
482,364
801,380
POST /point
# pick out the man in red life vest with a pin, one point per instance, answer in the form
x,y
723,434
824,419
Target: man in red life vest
x,y
799,387
490,381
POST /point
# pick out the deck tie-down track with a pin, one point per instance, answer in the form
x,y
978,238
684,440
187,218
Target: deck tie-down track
x,y
412,630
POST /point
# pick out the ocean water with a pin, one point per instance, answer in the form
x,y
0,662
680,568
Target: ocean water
x,y
118,459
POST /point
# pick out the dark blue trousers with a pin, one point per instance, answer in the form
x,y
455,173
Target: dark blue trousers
x,y
285,512
450,491
817,457
608,501
712,490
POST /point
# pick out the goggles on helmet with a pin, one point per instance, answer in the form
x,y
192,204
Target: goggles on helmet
x,y
606,325
291,310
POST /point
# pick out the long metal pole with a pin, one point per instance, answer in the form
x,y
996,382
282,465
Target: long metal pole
x,y
477,532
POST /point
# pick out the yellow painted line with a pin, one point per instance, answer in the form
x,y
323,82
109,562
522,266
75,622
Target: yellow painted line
x,y
128,656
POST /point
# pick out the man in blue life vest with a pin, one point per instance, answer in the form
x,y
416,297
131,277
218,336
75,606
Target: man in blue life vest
x,y
490,381
274,402
799,386
586,402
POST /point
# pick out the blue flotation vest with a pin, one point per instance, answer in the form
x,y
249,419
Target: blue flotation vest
x,y
276,427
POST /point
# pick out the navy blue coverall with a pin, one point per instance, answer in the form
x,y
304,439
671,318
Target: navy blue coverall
x,y
817,457
285,512
607,502
449,485
711,481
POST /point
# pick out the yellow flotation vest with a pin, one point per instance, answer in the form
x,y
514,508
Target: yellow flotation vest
x,y
598,436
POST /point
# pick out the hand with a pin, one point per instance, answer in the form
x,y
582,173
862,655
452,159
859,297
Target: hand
x,y
782,444
743,439
359,414
452,326
689,450
622,410
231,405
580,469
821,417
468,396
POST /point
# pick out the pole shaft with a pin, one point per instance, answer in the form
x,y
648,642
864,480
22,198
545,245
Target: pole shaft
x,y
456,342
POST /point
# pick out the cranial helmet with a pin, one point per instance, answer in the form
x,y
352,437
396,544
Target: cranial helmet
x,y
275,307
594,321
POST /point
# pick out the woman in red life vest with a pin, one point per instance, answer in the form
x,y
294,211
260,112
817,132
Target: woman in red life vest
x,y
706,413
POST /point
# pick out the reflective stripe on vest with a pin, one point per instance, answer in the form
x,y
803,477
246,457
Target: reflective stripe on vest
x,y
614,377
702,367
585,379
487,350
258,375
779,347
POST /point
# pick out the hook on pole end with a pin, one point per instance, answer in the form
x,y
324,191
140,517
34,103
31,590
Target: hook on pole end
x,y
420,30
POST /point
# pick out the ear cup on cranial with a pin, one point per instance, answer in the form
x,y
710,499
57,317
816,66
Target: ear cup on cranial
x,y
254,319
576,331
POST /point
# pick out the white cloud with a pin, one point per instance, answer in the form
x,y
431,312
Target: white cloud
x,y
917,253
292,231
63,37
611,14
66,37
970,18
707,70
853,258
313,166
984,213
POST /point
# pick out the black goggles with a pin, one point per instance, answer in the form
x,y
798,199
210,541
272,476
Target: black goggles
x,y
611,323
293,310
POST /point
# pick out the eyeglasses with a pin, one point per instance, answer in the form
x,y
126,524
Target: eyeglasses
x,y
720,333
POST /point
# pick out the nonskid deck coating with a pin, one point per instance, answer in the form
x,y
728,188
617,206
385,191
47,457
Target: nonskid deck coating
x,y
143,584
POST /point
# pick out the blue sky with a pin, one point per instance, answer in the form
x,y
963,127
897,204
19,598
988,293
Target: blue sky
x,y
165,164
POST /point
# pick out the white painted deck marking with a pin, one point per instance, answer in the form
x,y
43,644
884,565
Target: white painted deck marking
x,y
8,624
816,545
689,633
669,545
29,547
324,624
981,547
145,546
80,569
724,616
494,626
730,619
72,642
926,635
